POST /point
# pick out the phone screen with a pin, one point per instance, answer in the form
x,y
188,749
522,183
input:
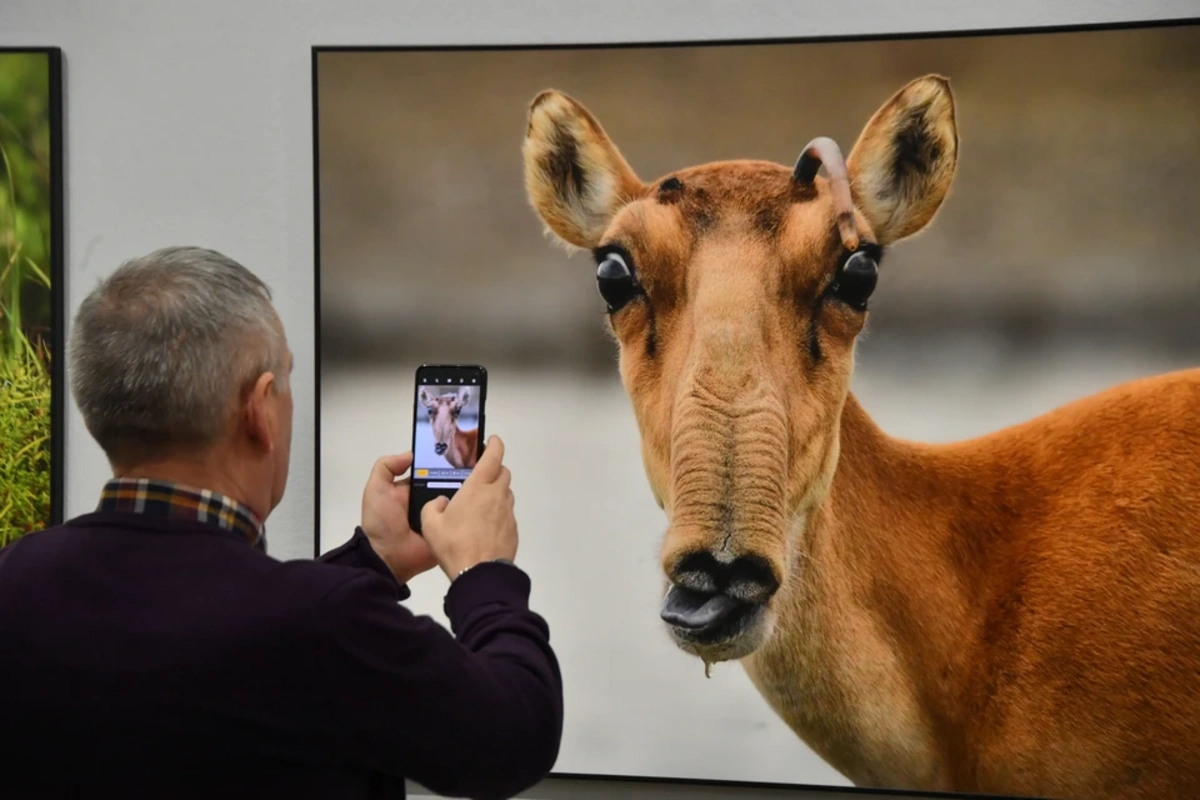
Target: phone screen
x,y
448,416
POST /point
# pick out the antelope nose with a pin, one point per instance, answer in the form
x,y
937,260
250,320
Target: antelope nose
x,y
439,448
707,596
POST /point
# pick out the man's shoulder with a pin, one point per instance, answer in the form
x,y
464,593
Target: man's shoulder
x,y
51,537
204,550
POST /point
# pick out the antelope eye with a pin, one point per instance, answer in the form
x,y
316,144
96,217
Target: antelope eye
x,y
615,281
856,280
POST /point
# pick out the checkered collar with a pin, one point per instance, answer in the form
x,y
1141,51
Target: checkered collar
x,y
168,500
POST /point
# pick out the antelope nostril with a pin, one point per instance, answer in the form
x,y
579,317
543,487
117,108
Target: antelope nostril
x,y
751,580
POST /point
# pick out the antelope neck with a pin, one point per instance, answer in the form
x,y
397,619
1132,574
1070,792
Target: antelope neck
x,y
906,540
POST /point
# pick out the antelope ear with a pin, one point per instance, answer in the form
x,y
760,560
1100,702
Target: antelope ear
x,y
463,399
905,159
423,396
575,177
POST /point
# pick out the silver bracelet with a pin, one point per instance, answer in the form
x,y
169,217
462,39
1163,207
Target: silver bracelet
x,y
489,561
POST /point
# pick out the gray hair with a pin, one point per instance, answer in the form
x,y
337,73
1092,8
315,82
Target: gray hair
x,y
161,350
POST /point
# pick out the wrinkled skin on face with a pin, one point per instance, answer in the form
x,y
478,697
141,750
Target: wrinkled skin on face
x,y
736,322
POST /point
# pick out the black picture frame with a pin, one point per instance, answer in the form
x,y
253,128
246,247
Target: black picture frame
x,y
58,319
318,50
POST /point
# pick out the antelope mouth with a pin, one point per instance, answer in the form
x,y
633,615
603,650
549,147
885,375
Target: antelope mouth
x,y
707,619
439,448
716,609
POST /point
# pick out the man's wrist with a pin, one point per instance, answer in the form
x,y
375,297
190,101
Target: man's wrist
x,y
467,569
496,584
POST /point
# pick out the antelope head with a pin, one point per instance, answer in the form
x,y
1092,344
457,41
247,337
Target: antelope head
x,y
443,411
735,292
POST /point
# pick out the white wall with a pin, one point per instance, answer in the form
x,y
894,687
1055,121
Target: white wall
x,y
191,123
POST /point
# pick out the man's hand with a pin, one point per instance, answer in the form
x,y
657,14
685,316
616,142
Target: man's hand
x,y
478,524
385,520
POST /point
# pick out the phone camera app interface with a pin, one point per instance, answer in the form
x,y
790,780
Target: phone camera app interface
x,y
447,431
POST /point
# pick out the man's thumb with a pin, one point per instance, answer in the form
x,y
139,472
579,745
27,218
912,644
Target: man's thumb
x,y
431,513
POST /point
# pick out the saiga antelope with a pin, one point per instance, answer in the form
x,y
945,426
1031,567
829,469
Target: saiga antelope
x,y
1018,613
461,448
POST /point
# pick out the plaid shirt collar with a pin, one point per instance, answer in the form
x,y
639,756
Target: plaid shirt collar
x,y
174,501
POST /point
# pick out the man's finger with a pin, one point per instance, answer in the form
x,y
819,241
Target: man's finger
x,y
431,512
488,467
388,468
504,479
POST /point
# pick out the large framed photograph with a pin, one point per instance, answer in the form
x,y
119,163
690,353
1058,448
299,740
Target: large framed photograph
x,y
31,291
849,387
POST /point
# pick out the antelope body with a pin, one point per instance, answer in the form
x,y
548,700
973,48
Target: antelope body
x,y
460,448
1018,613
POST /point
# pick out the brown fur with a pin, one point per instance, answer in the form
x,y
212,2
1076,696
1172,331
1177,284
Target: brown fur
x,y
462,447
1017,613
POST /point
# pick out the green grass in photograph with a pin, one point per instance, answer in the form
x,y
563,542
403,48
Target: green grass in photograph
x,y
25,297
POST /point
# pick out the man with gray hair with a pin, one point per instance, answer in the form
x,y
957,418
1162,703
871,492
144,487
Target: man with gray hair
x,y
153,645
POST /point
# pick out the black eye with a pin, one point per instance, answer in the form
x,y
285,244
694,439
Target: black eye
x,y
615,281
856,280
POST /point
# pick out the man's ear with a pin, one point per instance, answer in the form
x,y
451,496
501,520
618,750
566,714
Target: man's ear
x,y
575,177
259,413
905,159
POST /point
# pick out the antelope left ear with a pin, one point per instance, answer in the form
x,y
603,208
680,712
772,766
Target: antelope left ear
x,y
904,161
462,399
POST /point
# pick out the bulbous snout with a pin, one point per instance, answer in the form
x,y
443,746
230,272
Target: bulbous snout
x,y
439,448
725,550
713,604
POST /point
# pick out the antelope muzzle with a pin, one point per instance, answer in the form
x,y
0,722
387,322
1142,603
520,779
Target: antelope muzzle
x,y
725,551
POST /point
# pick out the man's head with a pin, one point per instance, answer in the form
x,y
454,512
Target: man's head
x,y
179,365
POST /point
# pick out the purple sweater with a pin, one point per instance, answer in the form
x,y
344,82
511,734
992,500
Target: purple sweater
x,y
143,657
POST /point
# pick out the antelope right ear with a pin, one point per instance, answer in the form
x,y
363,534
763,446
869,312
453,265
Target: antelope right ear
x,y
423,396
575,177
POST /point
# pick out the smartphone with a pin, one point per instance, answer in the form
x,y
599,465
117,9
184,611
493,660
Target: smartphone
x,y
448,416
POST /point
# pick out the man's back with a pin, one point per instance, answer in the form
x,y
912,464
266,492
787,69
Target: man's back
x,y
151,648
171,653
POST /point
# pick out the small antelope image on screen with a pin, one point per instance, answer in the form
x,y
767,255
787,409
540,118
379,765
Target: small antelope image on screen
x,y
443,411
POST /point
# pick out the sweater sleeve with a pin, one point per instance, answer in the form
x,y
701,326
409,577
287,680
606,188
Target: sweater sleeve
x,y
358,553
478,713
